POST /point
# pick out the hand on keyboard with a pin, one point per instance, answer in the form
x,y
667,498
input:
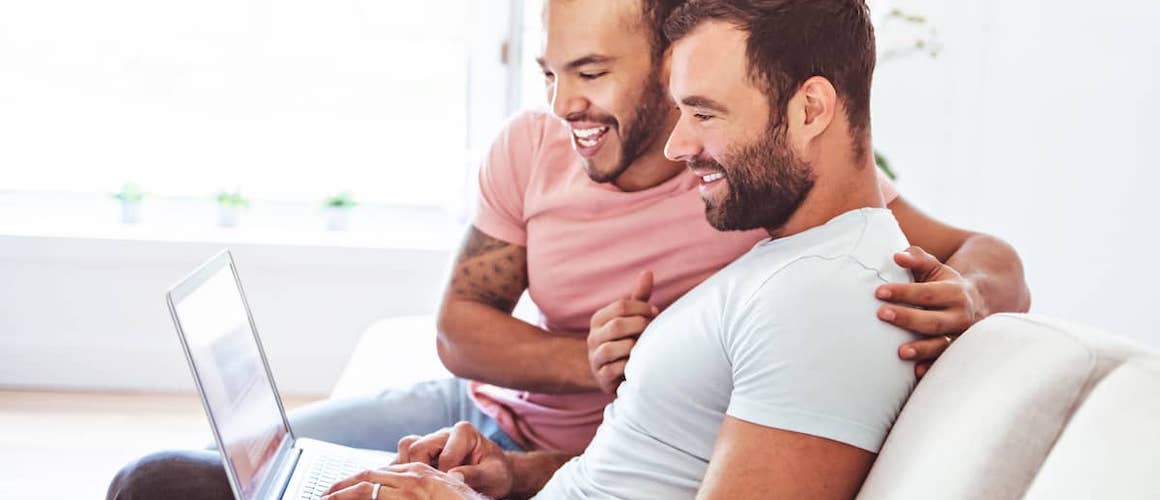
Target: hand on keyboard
x,y
464,452
411,481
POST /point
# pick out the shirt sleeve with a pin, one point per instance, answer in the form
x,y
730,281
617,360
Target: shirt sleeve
x,y
886,187
809,355
503,180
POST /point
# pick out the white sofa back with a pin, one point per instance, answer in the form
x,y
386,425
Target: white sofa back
x,y
1111,447
981,422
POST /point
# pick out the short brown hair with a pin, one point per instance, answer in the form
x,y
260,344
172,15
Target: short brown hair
x,y
655,13
791,41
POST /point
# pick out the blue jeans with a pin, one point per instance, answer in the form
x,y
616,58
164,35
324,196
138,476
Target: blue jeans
x,y
373,422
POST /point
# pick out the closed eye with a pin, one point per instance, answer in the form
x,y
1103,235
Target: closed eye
x,y
593,76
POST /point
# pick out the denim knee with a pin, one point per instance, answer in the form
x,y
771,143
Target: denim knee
x,y
172,475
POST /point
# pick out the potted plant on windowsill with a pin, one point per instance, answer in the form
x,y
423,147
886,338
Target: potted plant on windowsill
x,y
230,206
130,197
337,210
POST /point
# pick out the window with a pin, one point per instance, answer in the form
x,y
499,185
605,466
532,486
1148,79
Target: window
x,y
532,93
288,100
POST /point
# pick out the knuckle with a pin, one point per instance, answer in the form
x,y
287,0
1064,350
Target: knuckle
x,y
594,338
902,315
620,307
934,346
611,370
608,353
600,352
964,323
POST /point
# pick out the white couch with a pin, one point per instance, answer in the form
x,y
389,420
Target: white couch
x,y
1021,407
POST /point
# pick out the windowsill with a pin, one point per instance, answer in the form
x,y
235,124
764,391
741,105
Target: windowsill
x,y
97,217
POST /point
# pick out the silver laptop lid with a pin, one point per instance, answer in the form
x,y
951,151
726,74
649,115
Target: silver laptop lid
x,y
229,366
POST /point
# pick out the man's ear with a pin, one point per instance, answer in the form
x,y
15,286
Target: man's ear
x,y
812,110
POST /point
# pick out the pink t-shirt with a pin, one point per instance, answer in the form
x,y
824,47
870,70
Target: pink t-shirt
x,y
586,244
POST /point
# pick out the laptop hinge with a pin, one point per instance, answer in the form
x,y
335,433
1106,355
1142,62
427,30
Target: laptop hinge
x,y
281,471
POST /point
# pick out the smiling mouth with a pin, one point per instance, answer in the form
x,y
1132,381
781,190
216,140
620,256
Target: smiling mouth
x,y
709,178
589,137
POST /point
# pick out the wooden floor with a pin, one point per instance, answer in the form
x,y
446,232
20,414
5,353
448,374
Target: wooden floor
x,y
69,444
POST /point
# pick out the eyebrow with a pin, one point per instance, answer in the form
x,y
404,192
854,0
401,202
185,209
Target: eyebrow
x,y
579,62
697,101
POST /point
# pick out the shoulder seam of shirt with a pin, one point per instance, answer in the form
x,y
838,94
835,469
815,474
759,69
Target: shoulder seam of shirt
x,y
847,256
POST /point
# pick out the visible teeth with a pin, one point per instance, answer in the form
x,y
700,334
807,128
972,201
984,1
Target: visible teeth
x,y
588,132
712,177
586,142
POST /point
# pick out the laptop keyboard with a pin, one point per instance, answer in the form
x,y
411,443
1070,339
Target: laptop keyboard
x,y
327,470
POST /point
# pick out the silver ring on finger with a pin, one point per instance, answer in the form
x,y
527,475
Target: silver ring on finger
x,y
375,491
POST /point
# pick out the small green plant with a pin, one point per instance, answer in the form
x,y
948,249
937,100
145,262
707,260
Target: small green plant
x,y
130,192
232,199
341,200
924,38
884,164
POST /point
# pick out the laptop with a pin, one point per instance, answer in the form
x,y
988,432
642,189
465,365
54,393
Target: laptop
x,y
261,456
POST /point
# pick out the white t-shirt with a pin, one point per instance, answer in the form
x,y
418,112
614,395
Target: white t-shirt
x,y
786,337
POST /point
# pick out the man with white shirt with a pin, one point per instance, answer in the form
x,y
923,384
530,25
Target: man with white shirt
x,y
769,379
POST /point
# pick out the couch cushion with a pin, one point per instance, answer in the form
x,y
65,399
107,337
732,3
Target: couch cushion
x,y
394,352
1111,447
981,422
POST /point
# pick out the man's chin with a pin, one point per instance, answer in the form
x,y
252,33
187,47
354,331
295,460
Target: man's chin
x,y
723,219
716,218
600,172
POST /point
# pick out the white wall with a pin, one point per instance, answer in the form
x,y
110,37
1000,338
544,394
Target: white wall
x,y
90,313
1038,123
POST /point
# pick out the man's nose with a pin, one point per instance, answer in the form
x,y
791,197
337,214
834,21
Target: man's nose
x,y
565,101
681,145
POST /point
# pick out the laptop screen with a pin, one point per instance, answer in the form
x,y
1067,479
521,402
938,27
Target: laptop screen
x,y
237,389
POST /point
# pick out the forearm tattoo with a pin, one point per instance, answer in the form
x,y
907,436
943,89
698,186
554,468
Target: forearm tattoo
x,y
490,271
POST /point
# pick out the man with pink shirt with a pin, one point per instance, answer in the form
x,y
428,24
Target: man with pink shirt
x,y
581,209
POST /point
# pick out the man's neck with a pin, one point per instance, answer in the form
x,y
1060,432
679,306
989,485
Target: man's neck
x,y
651,168
852,185
647,171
